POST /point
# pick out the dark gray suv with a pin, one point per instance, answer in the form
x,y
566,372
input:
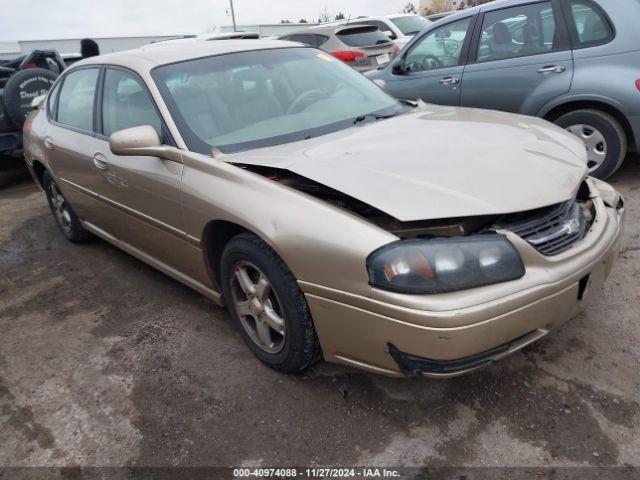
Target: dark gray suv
x,y
573,62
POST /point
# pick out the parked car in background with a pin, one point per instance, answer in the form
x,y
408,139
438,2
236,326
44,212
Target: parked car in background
x,y
363,47
400,28
572,62
332,219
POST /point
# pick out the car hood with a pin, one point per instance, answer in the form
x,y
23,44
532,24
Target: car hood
x,y
439,162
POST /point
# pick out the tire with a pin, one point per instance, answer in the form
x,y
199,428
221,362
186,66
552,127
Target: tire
x,y
605,158
20,90
298,347
64,215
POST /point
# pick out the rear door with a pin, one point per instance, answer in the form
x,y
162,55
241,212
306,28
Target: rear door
x,y
520,59
71,142
432,67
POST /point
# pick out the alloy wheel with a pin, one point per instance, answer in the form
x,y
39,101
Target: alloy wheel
x,y
60,207
258,307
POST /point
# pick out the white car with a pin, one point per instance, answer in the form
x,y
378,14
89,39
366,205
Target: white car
x,y
400,27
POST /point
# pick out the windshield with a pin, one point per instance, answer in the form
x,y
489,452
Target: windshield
x,y
260,98
411,25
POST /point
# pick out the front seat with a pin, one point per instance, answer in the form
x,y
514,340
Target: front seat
x,y
501,43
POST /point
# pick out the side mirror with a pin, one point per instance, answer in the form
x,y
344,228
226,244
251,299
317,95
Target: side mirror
x,y
390,34
397,68
142,141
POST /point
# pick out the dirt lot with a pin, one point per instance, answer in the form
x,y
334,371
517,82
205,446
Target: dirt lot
x,y
105,362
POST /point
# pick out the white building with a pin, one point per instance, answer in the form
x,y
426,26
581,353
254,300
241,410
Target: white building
x,y
9,50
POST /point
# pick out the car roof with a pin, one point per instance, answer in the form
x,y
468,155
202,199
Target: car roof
x,y
150,56
496,5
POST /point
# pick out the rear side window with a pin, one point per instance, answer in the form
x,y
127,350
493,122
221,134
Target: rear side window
x,y
75,103
362,37
127,103
591,25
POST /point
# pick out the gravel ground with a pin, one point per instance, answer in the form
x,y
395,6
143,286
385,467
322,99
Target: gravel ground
x,y
106,362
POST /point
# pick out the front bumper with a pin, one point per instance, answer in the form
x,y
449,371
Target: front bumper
x,y
403,339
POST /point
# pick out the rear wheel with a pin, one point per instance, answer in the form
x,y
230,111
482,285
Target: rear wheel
x,y
62,212
603,136
264,299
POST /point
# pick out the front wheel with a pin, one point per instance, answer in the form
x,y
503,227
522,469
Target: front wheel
x,y
62,212
603,136
264,299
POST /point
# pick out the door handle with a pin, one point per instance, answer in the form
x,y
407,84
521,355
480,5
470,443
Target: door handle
x,y
100,161
449,80
48,143
552,69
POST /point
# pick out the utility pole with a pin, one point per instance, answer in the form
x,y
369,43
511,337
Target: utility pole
x,y
233,16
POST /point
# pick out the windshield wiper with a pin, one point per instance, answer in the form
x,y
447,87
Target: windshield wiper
x,y
372,116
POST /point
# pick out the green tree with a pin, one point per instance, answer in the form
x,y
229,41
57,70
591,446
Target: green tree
x,y
302,20
340,16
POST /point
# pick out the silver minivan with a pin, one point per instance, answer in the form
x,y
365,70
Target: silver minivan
x,y
572,62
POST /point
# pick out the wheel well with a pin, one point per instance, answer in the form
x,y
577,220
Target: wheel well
x,y
39,170
215,237
560,110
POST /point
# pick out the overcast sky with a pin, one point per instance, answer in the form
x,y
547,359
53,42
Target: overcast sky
x,y
48,19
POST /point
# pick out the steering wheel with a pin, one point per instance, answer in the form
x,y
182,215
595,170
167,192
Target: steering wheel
x,y
427,62
305,96
431,62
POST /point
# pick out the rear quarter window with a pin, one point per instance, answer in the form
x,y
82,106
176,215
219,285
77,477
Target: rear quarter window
x,y
589,23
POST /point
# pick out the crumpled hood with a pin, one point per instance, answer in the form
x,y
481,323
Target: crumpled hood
x,y
439,162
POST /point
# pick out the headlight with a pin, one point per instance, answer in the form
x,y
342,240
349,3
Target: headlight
x,y
444,264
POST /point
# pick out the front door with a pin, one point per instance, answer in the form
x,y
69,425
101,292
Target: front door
x,y
432,67
521,61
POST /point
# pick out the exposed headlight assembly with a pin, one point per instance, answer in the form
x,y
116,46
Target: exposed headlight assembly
x,y
442,265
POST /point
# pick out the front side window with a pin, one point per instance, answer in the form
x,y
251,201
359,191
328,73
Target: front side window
x,y
127,103
518,32
441,48
267,97
75,103
590,24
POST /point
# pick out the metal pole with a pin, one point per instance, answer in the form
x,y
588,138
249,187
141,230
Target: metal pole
x,y
233,16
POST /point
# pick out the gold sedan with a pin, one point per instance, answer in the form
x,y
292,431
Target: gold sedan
x,y
333,220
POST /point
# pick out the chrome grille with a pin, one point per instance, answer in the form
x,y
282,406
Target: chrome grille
x,y
553,230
